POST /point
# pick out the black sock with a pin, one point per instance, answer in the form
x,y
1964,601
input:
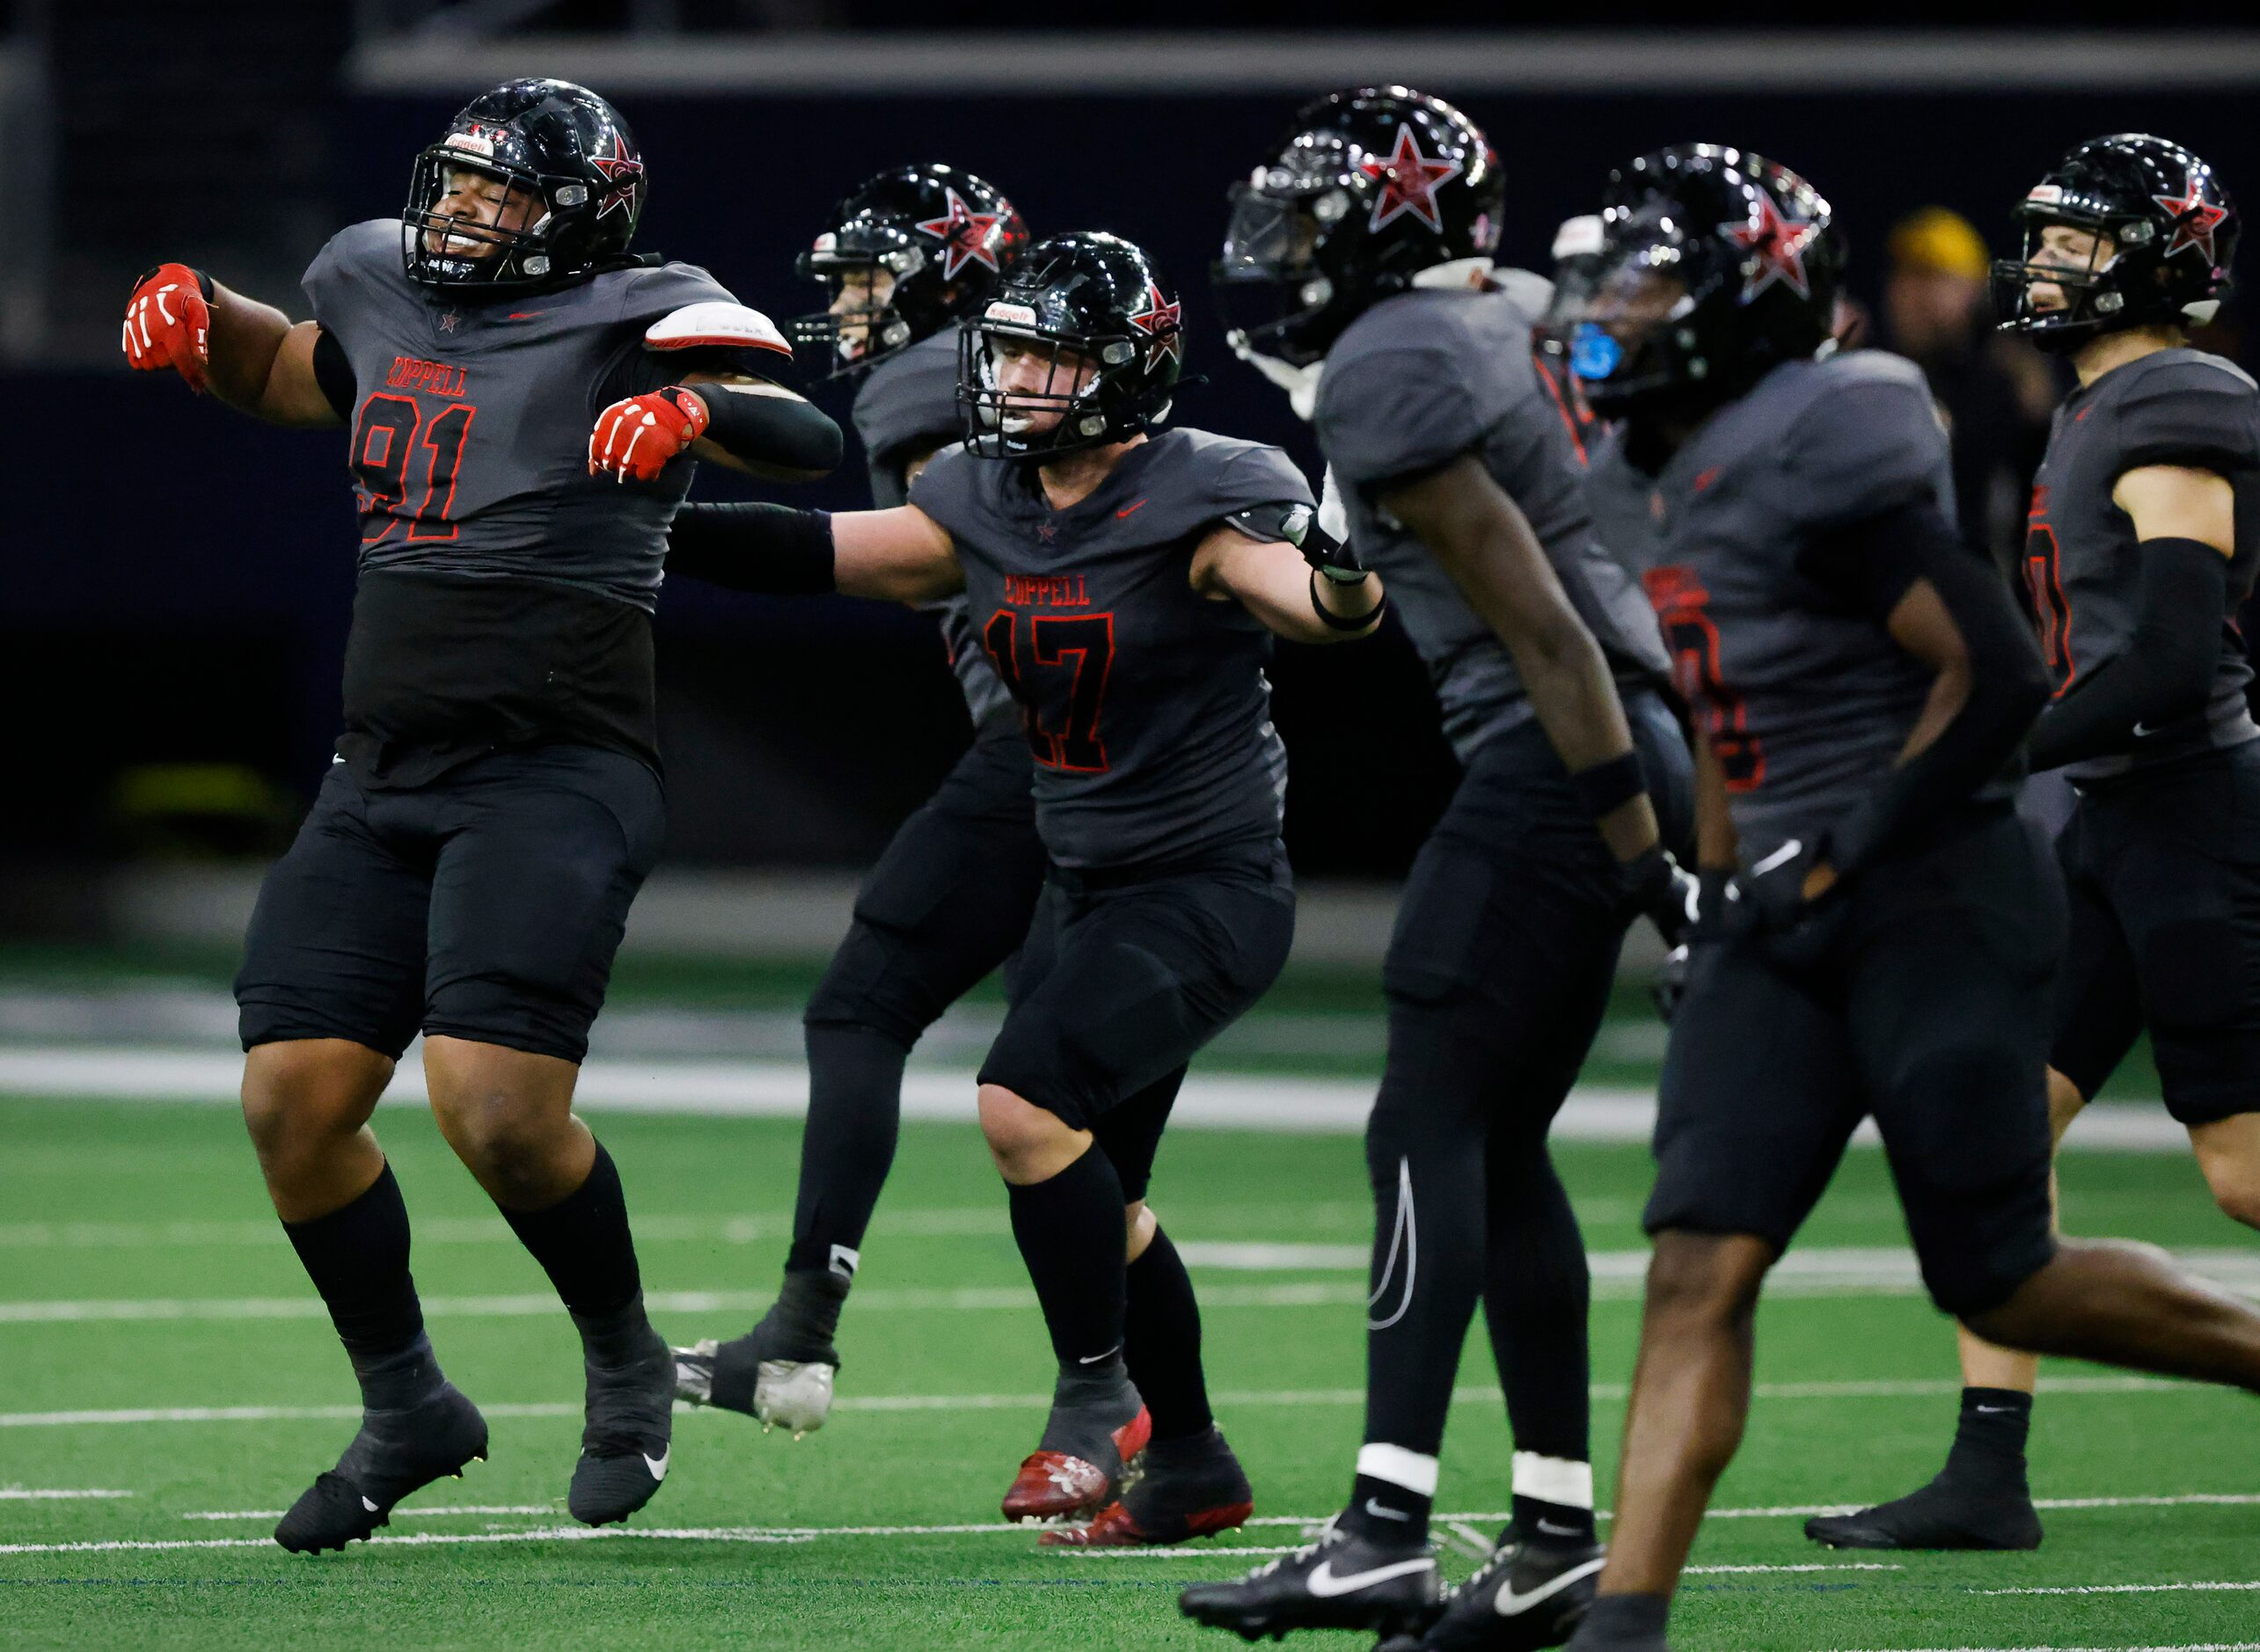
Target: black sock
x,y
1382,1511
1629,1618
1536,1294
1162,1340
855,1113
1070,1232
358,1257
805,1316
1552,1522
583,1244
1988,1454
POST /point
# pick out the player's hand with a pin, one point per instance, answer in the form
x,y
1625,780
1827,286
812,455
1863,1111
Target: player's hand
x,y
1660,891
168,324
1671,983
1335,558
639,437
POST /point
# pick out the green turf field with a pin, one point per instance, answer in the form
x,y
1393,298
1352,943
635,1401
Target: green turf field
x,y
145,1295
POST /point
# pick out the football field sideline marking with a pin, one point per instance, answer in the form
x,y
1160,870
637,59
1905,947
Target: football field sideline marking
x,y
742,1088
2123,1589
1915,1387
32,1493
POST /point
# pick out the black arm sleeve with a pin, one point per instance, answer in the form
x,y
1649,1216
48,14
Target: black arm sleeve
x,y
334,372
2167,669
1872,564
777,430
772,549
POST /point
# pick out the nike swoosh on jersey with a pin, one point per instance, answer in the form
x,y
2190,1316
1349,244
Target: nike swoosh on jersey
x,y
1323,1584
658,1464
1510,1605
1126,510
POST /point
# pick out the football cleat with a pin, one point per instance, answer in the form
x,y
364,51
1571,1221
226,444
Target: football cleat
x,y
1530,1594
1186,1488
627,1440
1940,1516
1340,1582
1094,1434
396,1453
783,1370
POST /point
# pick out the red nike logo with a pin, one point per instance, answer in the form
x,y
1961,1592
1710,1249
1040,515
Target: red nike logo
x,y
1126,510
526,314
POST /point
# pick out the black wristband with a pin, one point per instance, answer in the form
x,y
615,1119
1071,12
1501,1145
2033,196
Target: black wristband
x,y
1608,786
1345,622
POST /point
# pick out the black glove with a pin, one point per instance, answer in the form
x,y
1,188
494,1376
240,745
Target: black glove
x,y
1671,983
1769,901
1702,918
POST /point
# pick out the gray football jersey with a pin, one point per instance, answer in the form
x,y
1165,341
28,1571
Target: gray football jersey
x,y
1145,703
907,406
470,441
1806,700
1415,382
2082,563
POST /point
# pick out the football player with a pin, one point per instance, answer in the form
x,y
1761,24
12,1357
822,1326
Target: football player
x,y
1126,579
908,255
1886,927
2141,545
495,801
1360,251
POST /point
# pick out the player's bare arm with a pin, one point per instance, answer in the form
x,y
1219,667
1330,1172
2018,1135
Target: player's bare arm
x,y
901,555
1482,539
1289,590
2179,502
249,355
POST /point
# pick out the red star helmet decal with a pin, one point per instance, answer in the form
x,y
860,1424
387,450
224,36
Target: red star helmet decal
x,y
1409,181
1158,320
2194,219
625,171
1779,244
965,236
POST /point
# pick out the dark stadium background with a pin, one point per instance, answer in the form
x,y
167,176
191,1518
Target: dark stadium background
x,y
175,581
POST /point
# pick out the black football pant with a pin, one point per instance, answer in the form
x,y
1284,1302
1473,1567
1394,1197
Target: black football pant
x,y
949,901
1498,975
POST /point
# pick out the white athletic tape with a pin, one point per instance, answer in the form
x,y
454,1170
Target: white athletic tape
x,y
1554,1479
1415,1471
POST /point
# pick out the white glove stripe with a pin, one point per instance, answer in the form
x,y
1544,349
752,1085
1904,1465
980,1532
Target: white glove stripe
x,y
628,459
157,298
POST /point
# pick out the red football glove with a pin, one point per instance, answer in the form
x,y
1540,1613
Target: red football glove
x,y
168,324
637,437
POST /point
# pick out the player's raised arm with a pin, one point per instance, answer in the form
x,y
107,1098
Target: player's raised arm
x,y
901,555
725,403
1302,582
1480,537
249,355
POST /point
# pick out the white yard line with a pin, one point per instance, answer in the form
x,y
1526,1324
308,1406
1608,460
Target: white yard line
x,y
29,1493
544,1534
402,1512
2179,1646
2125,1589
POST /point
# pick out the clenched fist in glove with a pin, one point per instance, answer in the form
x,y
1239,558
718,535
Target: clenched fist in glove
x,y
637,437
169,323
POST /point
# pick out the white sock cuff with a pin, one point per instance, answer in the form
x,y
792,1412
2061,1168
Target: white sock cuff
x,y
1412,1470
1554,1480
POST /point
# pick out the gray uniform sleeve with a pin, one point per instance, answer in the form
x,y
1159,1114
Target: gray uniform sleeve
x,y
1260,476
2191,413
338,283
1864,450
1396,411
906,406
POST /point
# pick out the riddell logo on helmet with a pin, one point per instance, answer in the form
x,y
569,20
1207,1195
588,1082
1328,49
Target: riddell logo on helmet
x,y
2047,194
1019,314
470,140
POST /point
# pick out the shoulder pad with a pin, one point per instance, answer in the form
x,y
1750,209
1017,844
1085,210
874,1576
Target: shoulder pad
x,y
714,323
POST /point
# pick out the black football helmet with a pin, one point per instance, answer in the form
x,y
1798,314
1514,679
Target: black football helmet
x,y
2172,231
567,149
945,235
1367,189
1755,256
1091,296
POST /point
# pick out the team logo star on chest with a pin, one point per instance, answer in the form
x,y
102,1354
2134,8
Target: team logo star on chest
x,y
2194,219
623,172
966,237
1779,242
1046,532
1409,181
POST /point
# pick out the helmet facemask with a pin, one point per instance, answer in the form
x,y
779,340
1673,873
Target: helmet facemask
x,y
2096,289
1274,296
857,336
1081,378
1631,350
439,246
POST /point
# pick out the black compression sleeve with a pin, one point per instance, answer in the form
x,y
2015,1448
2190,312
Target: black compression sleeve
x,y
334,373
2165,671
772,549
1873,564
761,429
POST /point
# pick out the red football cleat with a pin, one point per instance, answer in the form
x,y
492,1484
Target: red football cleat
x,y
1065,1485
1190,1488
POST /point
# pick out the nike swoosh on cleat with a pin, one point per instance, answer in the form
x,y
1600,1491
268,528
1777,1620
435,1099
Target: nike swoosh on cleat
x,y
1782,856
1553,1531
367,1504
1510,1605
658,1464
1323,1584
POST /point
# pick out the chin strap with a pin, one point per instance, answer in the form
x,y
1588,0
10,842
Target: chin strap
x,y
1301,384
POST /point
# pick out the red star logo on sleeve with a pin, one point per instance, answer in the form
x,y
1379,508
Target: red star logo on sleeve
x,y
1779,244
2194,219
966,236
623,172
1158,320
1409,181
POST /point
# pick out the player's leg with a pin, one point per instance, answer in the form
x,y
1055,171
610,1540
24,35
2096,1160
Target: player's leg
x,y
2229,1153
542,852
1760,1095
1190,1483
331,986
1137,978
948,903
